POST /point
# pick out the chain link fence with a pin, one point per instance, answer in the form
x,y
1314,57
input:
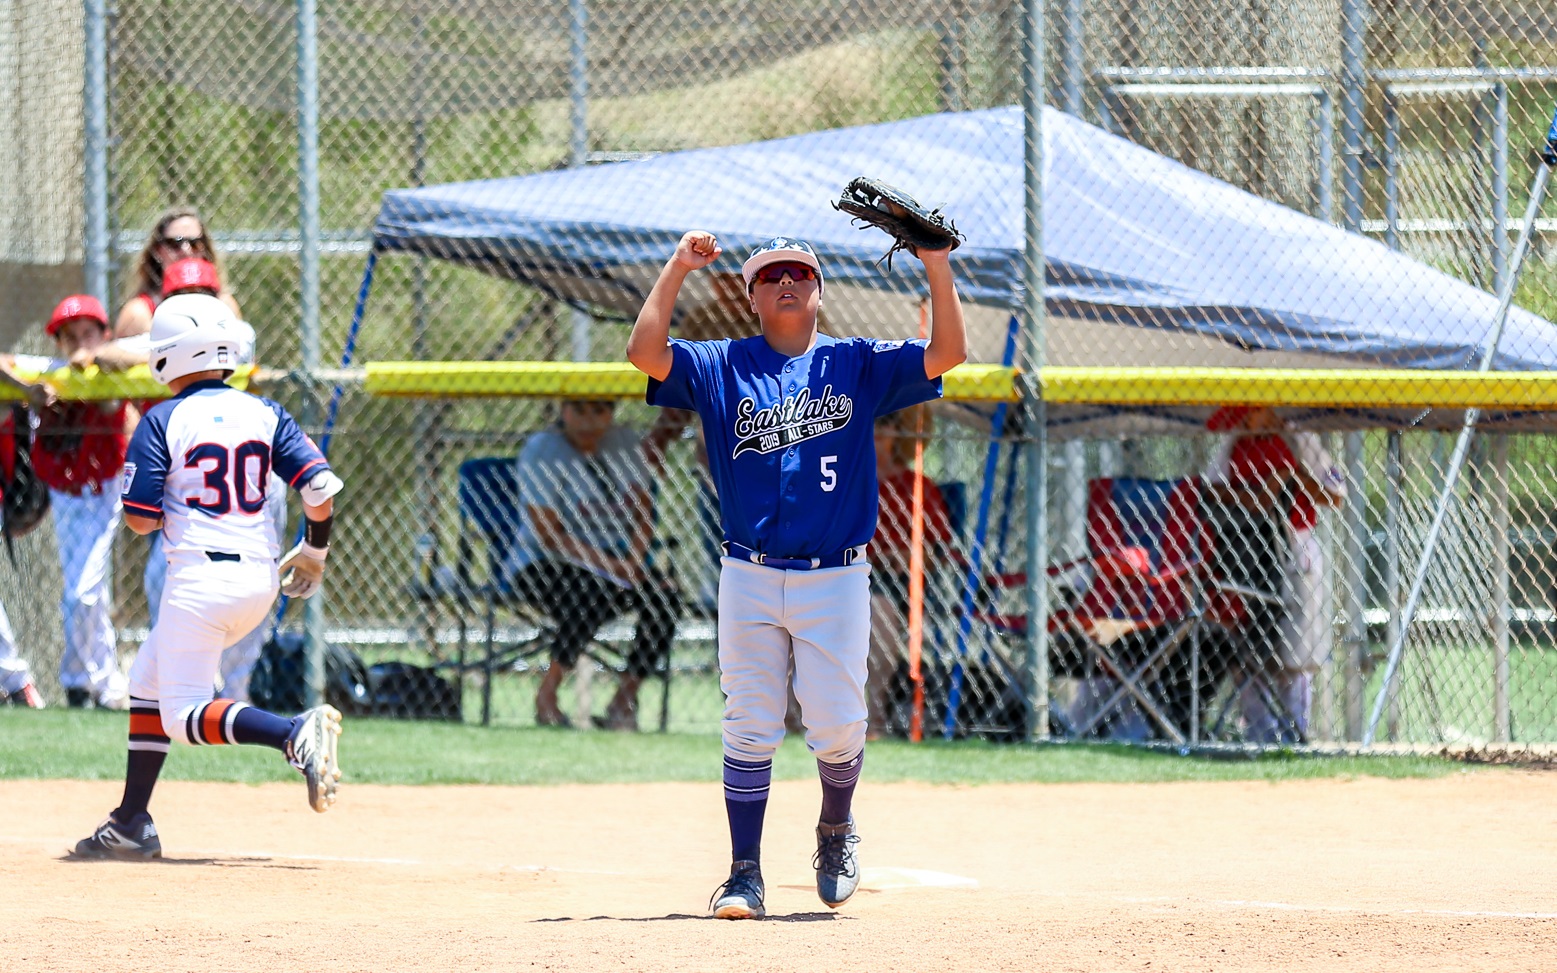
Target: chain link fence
x,y
543,159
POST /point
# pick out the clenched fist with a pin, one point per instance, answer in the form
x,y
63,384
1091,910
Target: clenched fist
x,y
697,249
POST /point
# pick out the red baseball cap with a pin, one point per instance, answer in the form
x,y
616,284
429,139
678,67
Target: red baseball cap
x,y
190,272
76,306
1227,418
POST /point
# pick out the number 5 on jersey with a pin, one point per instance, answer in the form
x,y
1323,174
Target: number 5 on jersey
x,y
829,475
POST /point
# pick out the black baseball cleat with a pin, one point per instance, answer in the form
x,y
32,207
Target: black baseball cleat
x,y
837,864
134,841
740,897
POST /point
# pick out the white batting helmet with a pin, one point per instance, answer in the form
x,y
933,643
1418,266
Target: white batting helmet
x,y
194,333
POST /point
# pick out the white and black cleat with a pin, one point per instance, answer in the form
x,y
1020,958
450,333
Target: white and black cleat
x,y
740,897
837,863
135,840
312,750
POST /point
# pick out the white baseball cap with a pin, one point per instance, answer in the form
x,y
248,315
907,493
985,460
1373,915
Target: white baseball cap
x,y
780,249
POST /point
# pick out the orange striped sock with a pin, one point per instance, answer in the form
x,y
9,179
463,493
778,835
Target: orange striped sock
x,y
211,723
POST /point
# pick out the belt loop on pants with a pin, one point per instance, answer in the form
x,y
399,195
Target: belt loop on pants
x,y
838,559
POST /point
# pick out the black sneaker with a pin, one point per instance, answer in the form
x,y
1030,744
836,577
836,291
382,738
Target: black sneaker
x,y
78,698
837,864
135,841
740,897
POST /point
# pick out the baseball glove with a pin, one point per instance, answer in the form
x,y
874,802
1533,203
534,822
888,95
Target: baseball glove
x,y
911,225
24,499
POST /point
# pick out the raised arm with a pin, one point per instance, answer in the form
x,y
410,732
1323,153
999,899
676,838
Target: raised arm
x,y
948,334
648,346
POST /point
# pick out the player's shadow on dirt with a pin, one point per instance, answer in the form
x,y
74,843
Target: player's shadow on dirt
x,y
218,862
683,917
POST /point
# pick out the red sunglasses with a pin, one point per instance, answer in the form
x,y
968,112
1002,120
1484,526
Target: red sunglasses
x,y
773,273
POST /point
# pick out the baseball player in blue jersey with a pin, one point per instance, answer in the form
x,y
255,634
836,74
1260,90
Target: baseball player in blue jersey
x,y
197,468
789,417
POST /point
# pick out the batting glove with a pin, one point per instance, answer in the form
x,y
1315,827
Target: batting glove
x,y
302,570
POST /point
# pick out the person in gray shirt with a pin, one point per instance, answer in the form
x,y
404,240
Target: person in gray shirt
x,y
581,554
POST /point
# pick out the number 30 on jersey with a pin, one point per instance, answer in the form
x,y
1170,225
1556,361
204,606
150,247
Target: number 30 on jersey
x,y
236,476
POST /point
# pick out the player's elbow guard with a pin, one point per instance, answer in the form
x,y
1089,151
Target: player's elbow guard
x,y
321,487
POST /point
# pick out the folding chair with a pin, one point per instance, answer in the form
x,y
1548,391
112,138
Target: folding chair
x,y
1140,597
1247,604
489,515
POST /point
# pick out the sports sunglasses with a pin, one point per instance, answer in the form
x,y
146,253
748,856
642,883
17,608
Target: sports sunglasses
x,y
773,273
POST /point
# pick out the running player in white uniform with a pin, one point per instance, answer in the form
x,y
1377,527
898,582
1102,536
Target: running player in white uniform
x,y
789,418
197,468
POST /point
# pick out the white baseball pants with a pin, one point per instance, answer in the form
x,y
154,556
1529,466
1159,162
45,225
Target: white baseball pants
x,y
206,607
240,658
84,529
823,617
13,668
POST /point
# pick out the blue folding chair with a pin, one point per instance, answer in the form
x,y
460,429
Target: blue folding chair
x,y
489,515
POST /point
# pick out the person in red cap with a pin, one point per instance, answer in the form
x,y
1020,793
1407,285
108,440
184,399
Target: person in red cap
x,y
1263,463
179,234
78,451
193,275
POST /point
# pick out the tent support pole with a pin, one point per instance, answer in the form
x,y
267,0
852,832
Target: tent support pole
x,y
1462,445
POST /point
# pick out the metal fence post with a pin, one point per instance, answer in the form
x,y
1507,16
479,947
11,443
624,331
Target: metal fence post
x,y
1325,158
1075,56
1391,171
308,291
1355,583
1499,184
578,144
1394,485
95,150
1033,266
1502,606
1354,80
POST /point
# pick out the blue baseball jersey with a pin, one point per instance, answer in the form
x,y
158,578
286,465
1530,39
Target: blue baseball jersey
x,y
791,440
201,461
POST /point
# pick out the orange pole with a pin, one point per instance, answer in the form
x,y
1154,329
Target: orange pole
x,y
916,568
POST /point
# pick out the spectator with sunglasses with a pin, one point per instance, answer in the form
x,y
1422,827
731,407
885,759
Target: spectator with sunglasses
x,y
179,234
581,556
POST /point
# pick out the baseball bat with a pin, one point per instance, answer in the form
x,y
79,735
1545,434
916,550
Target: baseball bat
x,y
1462,444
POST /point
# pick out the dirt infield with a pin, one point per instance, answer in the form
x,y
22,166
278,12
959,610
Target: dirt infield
x,y
1454,873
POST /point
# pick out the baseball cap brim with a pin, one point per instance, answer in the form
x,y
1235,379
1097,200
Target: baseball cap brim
x,y
778,255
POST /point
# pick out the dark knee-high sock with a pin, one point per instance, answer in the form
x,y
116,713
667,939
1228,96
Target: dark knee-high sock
x,y
225,721
746,785
838,782
148,750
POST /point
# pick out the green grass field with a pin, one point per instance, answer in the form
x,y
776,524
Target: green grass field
x,y
89,745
